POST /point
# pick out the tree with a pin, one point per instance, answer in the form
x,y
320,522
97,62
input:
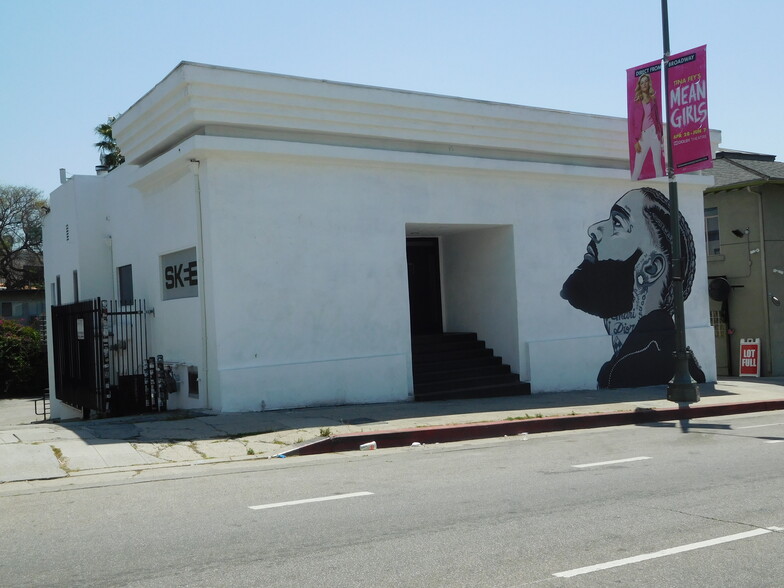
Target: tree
x,y
22,362
111,156
21,253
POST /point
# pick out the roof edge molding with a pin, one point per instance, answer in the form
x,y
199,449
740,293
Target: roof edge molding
x,y
173,164
195,97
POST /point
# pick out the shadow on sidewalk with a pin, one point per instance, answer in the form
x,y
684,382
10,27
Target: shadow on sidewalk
x,y
176,426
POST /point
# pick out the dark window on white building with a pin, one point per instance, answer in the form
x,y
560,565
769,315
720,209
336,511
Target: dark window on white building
x,y
193,381
125,279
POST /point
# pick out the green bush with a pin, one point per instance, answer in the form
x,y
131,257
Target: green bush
x,y
22,361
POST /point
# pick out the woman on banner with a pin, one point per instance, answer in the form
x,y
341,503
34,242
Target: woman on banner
x,y
646,128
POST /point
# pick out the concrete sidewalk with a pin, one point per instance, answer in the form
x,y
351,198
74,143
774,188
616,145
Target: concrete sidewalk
x,y
45,450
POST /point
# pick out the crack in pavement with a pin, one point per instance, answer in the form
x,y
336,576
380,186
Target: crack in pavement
x,y
720,520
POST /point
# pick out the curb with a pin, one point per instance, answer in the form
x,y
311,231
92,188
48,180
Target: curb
x,y
451,433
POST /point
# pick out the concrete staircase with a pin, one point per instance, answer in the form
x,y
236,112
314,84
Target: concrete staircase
x,y
458,365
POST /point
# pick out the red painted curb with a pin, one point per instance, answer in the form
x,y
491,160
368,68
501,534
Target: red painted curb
x,y
450,433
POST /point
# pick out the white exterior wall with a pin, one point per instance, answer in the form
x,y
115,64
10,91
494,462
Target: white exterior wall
x,y
480,289
303,293
324,316
165,220
111,225
75,236
322,280
72,235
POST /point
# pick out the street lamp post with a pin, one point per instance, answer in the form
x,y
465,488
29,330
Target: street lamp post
x,y
682,389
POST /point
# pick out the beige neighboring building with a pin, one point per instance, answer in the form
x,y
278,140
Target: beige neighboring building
x,y
744,231
24,306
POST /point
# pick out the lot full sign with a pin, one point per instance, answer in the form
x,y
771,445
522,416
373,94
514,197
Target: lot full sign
x,y
749,357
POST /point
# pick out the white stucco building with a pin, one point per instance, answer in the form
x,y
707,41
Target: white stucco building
x,y
291,201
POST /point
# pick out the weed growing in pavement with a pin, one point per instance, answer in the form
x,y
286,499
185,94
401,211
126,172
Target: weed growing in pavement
x,y
63,461
196,450
325,432
251,451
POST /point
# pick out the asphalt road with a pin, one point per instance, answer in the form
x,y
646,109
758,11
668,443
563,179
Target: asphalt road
x,y
645,505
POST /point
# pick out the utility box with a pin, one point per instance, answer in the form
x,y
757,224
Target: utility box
x,y
749,357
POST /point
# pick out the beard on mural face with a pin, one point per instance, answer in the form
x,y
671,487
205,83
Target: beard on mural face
x,y
602,288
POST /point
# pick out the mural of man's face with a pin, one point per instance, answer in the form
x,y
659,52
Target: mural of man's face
x,y
603,284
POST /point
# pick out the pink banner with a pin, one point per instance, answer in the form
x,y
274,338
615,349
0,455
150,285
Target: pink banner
x,y
646,140
688,96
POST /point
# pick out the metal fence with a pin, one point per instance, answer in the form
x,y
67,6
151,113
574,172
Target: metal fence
x,y
101,361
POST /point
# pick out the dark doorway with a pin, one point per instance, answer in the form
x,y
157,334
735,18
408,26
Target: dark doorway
x,y
424,285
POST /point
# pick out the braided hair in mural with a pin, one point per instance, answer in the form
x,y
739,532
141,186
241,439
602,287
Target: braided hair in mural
x,y
625,279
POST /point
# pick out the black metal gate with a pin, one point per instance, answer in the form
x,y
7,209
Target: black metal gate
x,y
100,358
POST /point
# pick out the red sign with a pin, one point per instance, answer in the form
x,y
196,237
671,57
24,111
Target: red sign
x,y
687,93
749,357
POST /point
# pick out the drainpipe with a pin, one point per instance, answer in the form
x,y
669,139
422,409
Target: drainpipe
x,y
112,273
766,346
194,166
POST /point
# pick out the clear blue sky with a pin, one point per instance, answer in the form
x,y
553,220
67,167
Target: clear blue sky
x,y
65,65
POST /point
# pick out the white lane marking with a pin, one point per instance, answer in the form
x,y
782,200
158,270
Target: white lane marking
x,y
775,441
758,426
603,463
664,552
307,500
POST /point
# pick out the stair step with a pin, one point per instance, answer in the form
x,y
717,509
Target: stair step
x,y
446,365
462,383
460,365
446,345
439,337
433,356
518,389
462,371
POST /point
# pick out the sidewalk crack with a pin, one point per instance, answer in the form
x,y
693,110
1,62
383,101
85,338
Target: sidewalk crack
x,y
720,520
214,428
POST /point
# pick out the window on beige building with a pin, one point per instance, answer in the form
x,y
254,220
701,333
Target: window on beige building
x,y
712,241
